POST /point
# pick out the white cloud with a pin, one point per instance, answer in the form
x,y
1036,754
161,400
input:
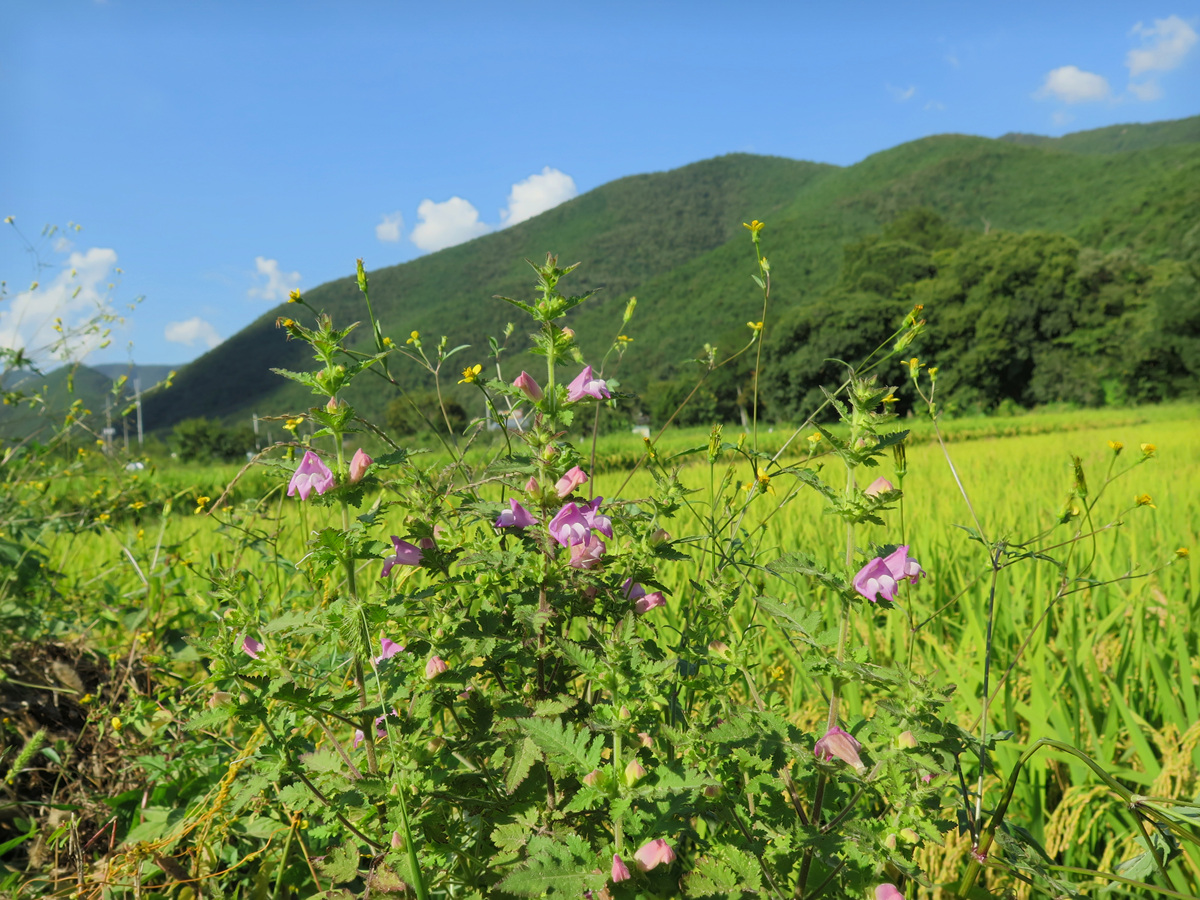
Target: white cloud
x,y
936,105
902,94
77,295
1146,91
389,230
1167,43
278,284
445,224
1073,85
536,194
189,331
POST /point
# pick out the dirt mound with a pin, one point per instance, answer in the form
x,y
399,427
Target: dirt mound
x,y
57,695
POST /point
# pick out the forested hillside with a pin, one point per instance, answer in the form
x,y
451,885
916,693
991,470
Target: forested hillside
x,y
1119,204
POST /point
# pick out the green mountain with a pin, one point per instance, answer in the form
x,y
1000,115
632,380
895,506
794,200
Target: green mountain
x,y
675,240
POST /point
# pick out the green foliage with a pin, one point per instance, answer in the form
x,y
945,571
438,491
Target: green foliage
x,y
420,411
203,440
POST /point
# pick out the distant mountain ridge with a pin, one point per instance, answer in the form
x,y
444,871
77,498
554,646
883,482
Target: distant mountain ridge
x,y
674,239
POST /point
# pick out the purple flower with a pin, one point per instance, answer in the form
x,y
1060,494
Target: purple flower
x,y
516,516
888,892
406,555
251,647
530,388
358,465
655,852
595,519
388,648
642,602
875,579
586,384
620,871
902,566
588,554
573,479
310,475
435,667
840,744
380,731
570,526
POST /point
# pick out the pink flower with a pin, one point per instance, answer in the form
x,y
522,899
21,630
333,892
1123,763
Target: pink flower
x,y
516,516
840,744
531,486
573,479
653,853
620,871
530,388
251,647
888,892
902,566
879,486
588,554
388,648
310,475
642,602
570,526
874,579
596,520
586,384
434,667
406,555
358,465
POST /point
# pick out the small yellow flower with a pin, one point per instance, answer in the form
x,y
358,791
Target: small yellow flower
x,y
754,227
1183,553
470,374
137,504
892,398
8,220
86,699
34,287
292,424
624,339
117,724
294,295
1116,447
1145,500
762,481
754,326
388,342
815,437
933,370
285,322
200,504
913,365
1148,449
413,338
141,533
103,517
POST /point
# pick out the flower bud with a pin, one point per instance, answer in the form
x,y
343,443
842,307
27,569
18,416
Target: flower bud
x,y
634,772
530,388
358,465
909,836
434,667
620,871
719,648
906,740
397,842
593,778
711,791
890,841
624,714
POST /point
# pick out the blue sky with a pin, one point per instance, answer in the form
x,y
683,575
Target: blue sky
x,y
220,153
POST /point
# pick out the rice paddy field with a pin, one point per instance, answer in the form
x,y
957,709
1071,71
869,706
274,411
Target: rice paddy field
x,y
1094,635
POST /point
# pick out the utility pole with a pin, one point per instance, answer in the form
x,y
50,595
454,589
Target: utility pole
x,y
137,392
